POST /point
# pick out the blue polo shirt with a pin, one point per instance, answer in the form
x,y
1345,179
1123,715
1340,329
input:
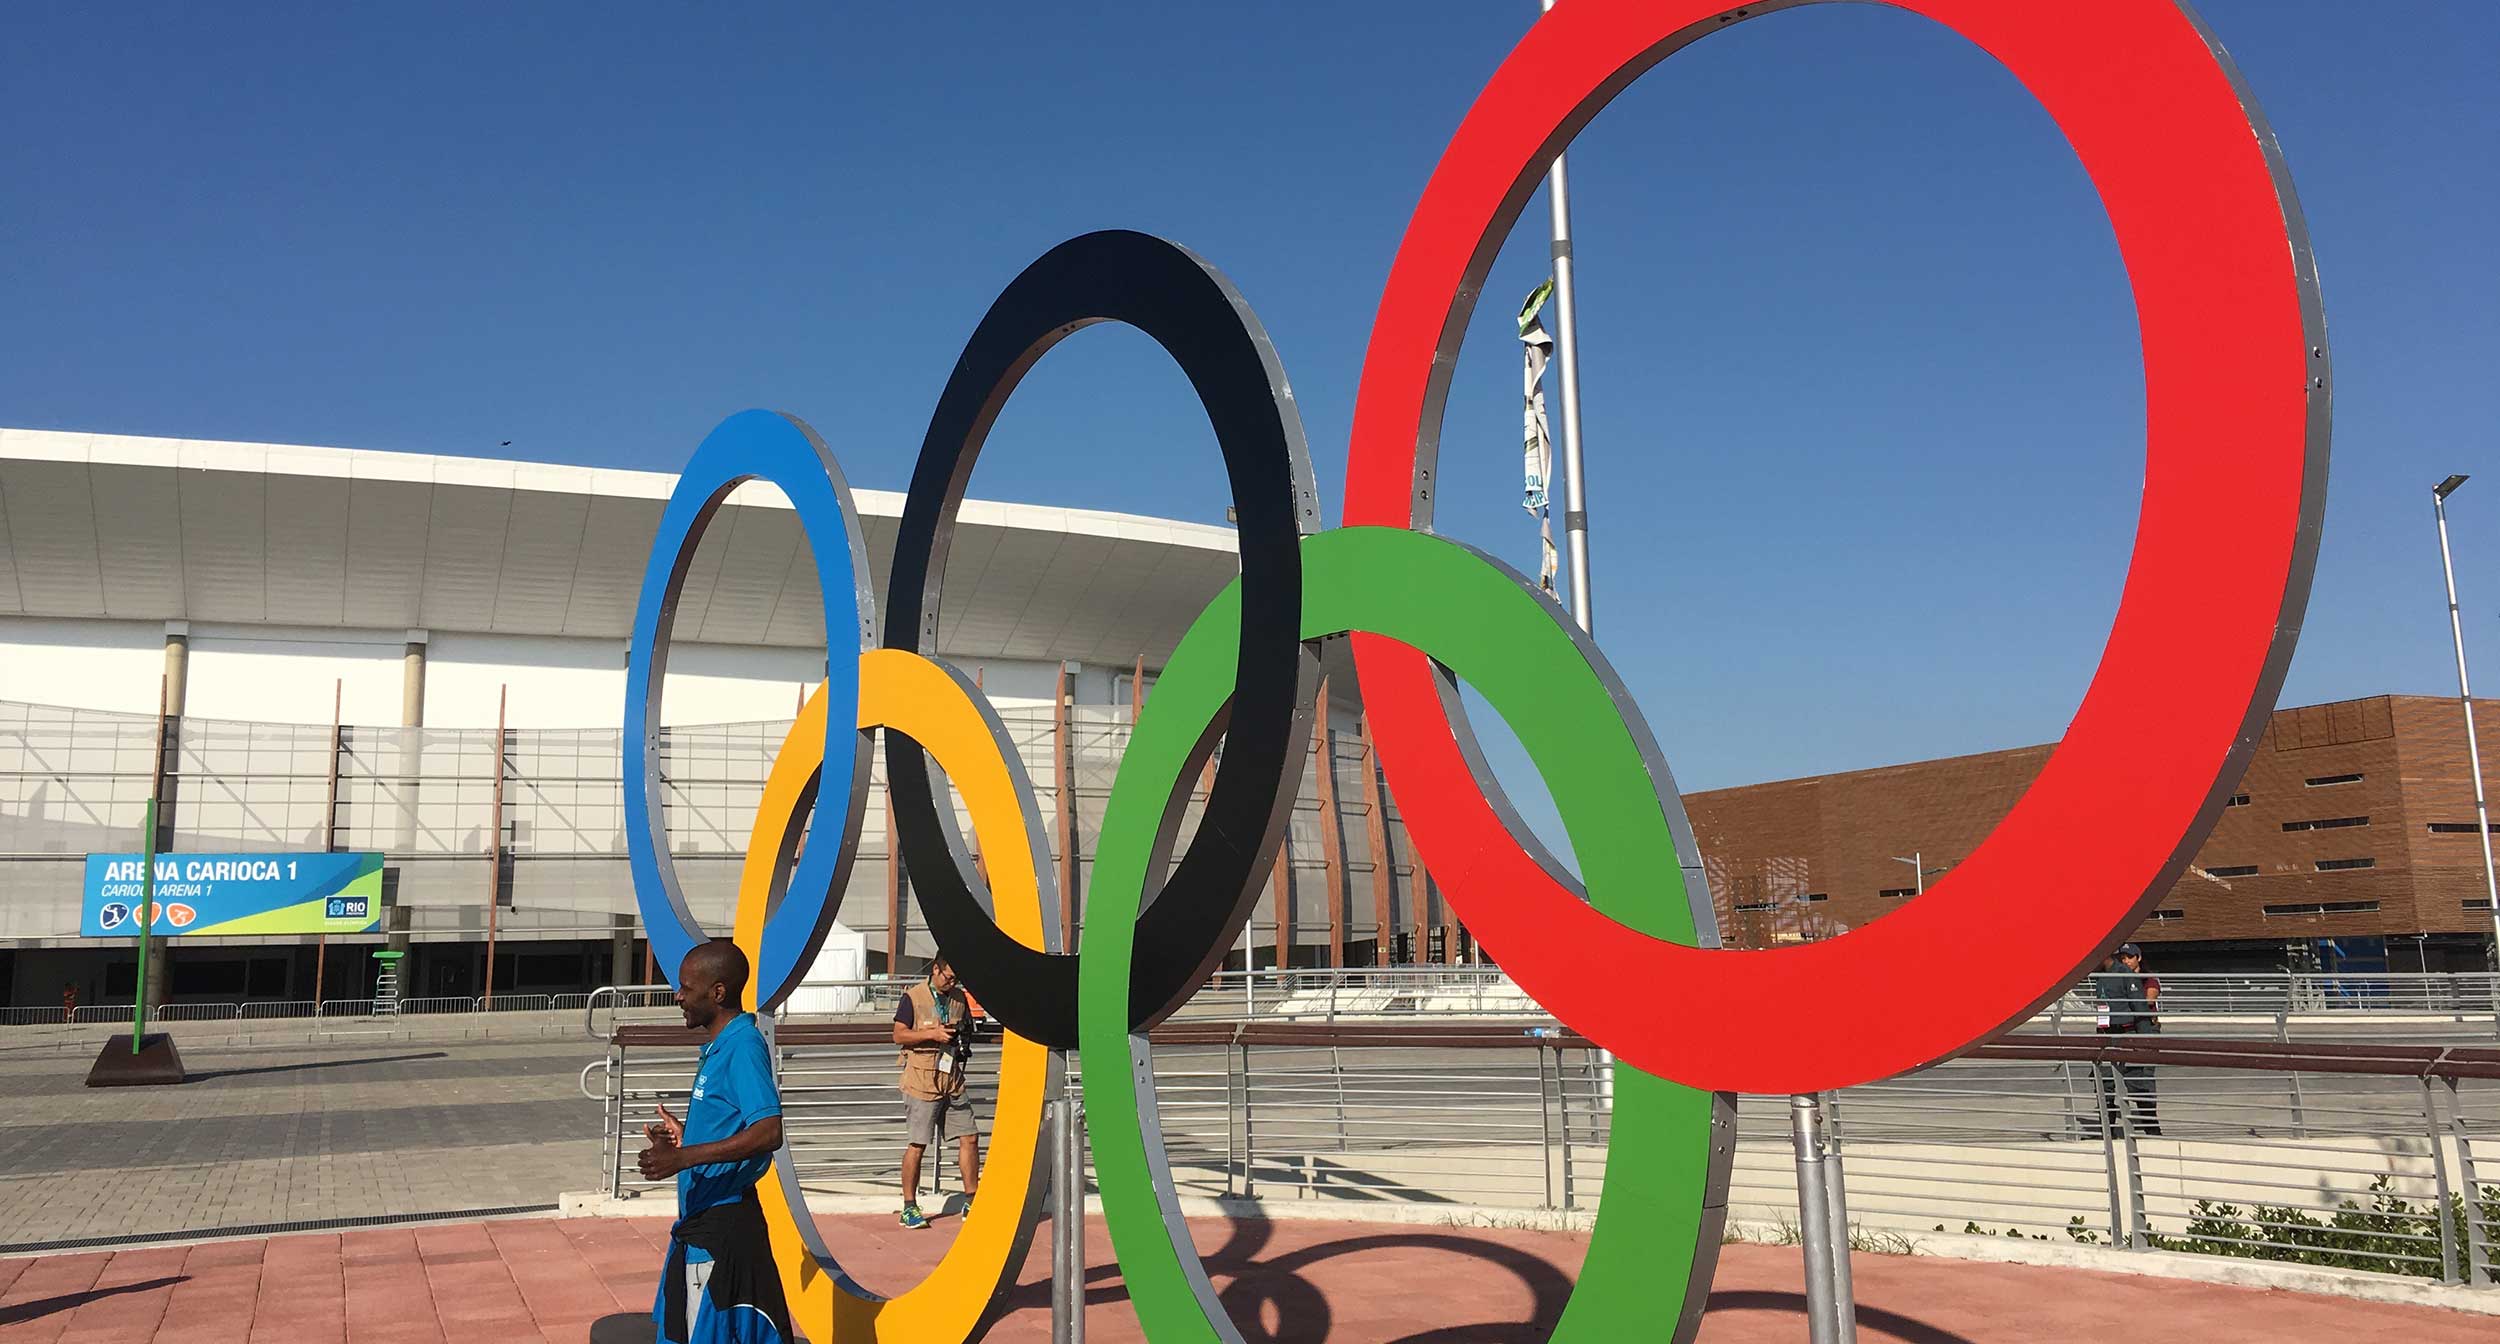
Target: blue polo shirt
x,y
733,1088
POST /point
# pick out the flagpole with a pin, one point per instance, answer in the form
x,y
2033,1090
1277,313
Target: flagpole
x,y
1567,360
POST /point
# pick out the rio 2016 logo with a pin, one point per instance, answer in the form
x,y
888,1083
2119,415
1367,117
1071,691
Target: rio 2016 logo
x,y
2237,402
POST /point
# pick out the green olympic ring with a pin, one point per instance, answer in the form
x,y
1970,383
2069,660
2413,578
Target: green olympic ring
x,y
1667,1159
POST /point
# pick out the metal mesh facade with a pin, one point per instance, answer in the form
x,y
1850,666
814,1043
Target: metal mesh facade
x,y
74,782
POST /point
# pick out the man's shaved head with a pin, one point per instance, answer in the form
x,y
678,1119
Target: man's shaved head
x,y
712,982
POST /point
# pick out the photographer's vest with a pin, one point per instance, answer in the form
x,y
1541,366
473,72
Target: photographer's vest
x,y
921,1079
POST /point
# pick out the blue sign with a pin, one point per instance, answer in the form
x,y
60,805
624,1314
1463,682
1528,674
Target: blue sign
x,y
234,894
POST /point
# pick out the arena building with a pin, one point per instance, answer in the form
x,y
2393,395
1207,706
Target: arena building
x,y
303,649
2350,842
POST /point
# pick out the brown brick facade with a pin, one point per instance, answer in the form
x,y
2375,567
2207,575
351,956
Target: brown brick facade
x,y
1804,858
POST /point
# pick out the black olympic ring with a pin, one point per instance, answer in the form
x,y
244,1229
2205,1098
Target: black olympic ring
x,y
1203,323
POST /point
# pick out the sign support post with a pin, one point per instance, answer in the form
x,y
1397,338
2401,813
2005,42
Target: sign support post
x,y
147,920
150,1059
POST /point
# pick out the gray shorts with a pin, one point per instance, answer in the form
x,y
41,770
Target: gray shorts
x,y
928,1119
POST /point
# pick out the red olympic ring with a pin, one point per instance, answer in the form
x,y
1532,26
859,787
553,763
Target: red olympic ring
x,y
2235,384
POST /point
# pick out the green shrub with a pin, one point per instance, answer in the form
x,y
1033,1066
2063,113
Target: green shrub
x,y
2389,1235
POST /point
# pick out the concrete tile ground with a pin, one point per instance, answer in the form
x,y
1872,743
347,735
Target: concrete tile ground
x,y
278,1136
547,1280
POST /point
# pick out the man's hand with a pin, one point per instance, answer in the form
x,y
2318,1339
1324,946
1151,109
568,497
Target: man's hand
x,y
662,1159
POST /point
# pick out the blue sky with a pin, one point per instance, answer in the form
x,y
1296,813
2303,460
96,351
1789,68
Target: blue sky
x,y
1863,400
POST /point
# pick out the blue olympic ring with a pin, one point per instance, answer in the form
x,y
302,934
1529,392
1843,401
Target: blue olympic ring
x,y
748,446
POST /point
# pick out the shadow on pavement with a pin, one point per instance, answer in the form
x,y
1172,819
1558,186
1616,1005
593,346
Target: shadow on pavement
x,y
1300,1310
1900,1327
626,1327
1320,1178
203,1075
21,1312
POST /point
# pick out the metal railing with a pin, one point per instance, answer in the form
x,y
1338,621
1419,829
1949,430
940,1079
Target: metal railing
x,y
2439,1005
2354,1157
304,1010
2458,995
617,1000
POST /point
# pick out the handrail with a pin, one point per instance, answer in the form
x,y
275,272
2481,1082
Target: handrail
x,y
1451,1035
2200,1052
590,1009
2213,1052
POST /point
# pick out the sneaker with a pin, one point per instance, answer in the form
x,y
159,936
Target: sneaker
x,y
912,1218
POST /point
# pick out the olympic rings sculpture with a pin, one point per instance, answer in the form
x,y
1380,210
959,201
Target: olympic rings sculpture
x,y
2238,406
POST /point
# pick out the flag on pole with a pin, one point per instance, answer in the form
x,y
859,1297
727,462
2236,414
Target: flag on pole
x,y
1536,440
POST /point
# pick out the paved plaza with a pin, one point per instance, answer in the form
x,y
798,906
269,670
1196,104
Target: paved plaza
x,y
541,1279
347,1129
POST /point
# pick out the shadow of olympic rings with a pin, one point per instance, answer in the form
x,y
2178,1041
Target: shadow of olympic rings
x,y
1272,1300
1890,1324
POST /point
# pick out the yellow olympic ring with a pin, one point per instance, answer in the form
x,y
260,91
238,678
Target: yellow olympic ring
x,y
907,693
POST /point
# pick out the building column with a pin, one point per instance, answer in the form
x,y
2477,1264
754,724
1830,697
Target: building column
x,y
412,759
412,679
621,949
167,785
177,666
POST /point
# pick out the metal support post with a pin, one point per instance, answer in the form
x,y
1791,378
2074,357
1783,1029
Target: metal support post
x,y
2120,1220
1062,1285
1836,1181
616,1129
1562,1113
1814,1218
1249,1131
2300,1112
2480,1261
1336,1074
1067,1216
1545,1128
1232,1118
2448,1247
2139,1225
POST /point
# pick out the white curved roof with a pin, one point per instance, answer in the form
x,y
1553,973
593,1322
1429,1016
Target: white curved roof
x,y
112,526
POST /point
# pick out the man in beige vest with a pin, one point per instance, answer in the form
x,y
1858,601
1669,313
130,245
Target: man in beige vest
x,y
933,1025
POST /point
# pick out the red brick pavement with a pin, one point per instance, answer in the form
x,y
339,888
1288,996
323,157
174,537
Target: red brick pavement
x,y
547,1280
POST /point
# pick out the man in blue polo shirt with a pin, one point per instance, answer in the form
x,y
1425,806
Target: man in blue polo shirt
x,y
720,1285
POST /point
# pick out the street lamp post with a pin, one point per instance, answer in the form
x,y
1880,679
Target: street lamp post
x,y
2465,694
